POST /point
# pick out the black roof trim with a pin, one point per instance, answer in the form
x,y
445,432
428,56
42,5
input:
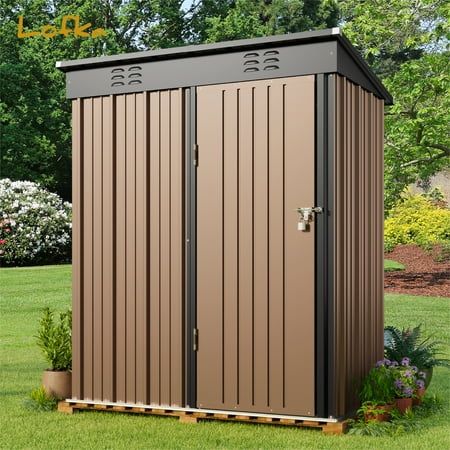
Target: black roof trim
x,y
228,47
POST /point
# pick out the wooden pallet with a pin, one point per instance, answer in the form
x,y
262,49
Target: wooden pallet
x,y
195,416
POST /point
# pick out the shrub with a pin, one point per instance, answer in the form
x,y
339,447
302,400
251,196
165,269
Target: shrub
x,y
35,225
416,220
55,339
39,400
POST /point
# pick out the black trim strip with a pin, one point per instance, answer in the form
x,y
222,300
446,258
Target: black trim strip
x,y
191,247
323,247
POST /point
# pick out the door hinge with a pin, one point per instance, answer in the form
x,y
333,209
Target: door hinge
x,y
195,339
195,154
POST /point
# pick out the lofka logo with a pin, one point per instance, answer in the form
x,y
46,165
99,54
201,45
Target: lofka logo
x,y
50,31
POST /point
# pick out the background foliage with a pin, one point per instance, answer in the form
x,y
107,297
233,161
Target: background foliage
x,y
417,220
405,42
35,225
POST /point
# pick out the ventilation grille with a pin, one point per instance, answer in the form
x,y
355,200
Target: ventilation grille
x,y
257,61
121,76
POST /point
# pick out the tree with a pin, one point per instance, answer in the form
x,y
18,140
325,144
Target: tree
x,y
417,126
406,42
255,18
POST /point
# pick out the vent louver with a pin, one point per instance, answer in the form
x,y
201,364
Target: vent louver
x,y
120,76
268,60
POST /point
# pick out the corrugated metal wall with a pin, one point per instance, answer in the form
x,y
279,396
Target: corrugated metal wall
x,y
358,219
128,261
255,270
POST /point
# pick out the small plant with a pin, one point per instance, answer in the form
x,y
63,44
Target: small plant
x,y
405,379
422,352
399,423
378,386
54,338
39,400
379,412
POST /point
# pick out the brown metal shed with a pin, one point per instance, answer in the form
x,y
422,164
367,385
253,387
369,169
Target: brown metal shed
x,y
198,284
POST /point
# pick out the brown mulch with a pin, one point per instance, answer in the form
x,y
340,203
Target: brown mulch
x,y
423,274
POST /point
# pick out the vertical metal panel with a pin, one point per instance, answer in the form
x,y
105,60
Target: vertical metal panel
x,y
97,232
108,257
142,212
358,219
255,271
128,248
77,248
87,267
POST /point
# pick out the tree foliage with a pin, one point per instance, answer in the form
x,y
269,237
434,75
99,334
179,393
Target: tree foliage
x,y
406,43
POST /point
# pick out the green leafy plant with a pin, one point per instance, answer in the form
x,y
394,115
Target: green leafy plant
x,y
39,400
378,386
422,352
54,338
399,423
415,219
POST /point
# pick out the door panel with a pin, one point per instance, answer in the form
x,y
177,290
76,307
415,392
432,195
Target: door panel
x,y
255,271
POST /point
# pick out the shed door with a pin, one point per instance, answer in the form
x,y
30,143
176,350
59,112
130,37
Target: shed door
x,y
255,272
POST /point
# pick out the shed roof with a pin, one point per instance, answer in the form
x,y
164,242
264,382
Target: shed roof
x,y
310,52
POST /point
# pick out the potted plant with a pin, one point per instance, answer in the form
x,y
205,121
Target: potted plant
x,y
377,393
419,392
422,352
54,338
404,383
374,411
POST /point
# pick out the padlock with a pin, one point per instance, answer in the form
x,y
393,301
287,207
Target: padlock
x,y
301,226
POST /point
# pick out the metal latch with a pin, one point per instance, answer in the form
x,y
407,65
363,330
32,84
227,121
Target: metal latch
x,y
195,339
306,216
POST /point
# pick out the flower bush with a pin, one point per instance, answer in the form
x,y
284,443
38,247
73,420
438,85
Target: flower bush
x,y
35,225
419,220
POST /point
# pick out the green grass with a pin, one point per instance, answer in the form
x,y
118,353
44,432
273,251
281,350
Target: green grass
x,y
23,294
391,265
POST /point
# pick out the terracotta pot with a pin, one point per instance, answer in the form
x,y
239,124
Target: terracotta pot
x,y
419,396
403,404
380,417
57,383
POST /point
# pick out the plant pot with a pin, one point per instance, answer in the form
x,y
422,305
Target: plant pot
x,y
417,400
403,404
57,383
379,417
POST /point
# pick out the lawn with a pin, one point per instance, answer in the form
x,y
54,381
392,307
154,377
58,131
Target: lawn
x,y
25,292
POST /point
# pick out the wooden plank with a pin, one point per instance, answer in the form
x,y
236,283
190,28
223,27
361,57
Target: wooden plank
x,y
188,419
65,408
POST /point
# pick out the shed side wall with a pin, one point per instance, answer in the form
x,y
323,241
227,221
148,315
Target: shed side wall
x,y
358,248
128,248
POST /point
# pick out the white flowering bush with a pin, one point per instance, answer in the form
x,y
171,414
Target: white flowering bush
x,y
35,225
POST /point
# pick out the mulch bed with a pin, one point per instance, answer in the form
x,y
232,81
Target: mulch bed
x,y
423,274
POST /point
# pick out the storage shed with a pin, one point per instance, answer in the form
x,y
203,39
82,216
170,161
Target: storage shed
x,y
228,227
